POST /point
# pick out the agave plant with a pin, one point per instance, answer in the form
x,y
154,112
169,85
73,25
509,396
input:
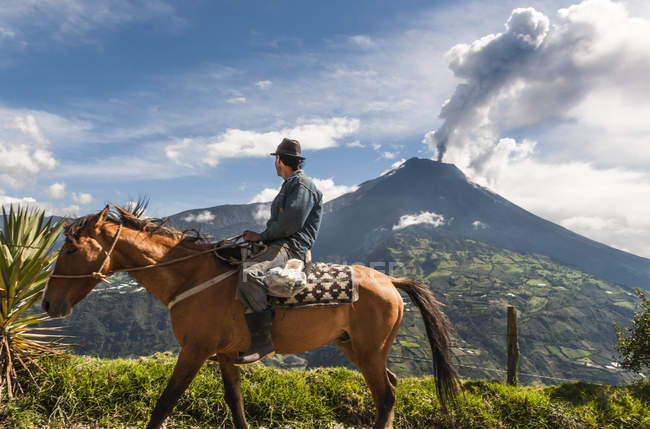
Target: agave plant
x,y
26,258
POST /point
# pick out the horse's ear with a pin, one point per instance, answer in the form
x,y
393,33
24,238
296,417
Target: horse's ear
x,y
99,218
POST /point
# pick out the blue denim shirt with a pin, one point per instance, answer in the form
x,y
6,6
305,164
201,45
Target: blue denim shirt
x,y
295,214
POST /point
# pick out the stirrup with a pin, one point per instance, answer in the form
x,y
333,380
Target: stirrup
x,y
261,346
252,358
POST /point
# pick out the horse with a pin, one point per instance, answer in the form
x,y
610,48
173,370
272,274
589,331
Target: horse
x,y
211,324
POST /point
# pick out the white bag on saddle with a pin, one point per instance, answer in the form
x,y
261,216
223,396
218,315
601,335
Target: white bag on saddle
x,y
286,281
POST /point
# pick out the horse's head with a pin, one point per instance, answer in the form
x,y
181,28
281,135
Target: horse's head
x,y
87,241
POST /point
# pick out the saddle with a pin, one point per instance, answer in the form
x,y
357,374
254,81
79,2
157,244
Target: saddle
x,y
234,250
327,284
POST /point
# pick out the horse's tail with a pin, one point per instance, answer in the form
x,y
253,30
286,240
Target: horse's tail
x,y
437,326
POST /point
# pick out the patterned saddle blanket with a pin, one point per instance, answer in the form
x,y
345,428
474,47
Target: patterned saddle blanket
x,y
327,284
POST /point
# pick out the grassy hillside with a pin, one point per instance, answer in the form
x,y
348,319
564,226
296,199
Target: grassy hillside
x,y
119,393
565,316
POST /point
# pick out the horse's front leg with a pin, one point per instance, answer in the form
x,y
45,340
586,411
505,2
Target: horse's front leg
x,y
188,364
231,376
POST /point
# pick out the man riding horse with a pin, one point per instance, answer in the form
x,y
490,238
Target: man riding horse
x,y
290,233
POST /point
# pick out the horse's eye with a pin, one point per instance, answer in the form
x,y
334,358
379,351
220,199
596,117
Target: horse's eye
x,y
70,250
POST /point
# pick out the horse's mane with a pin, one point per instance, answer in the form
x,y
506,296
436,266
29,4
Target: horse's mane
x,y
132,216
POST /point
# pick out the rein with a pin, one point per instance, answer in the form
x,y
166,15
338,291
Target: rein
x,y
230,242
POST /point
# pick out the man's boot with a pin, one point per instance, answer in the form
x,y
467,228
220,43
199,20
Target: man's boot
x,y
259,326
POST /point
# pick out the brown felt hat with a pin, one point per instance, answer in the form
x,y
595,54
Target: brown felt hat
x,y
289,147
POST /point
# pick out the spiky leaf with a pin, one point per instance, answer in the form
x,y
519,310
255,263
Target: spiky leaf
x,y
26,256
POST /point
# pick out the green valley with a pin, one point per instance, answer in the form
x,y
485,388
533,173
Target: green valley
x,y
565,316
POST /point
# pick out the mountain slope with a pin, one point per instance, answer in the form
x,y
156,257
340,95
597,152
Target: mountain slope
x,y
354,222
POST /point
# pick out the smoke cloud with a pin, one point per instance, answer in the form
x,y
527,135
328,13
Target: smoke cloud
x,y
535,73
488,65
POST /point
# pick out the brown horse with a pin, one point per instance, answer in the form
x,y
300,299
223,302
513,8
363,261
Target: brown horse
x,y
212,322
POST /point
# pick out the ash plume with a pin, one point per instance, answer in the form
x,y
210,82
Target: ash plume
x,y
488,66
539,75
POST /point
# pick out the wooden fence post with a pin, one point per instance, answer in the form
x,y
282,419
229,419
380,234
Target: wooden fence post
x,y
513,346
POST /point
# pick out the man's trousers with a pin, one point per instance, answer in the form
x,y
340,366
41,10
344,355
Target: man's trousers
x,y
251,290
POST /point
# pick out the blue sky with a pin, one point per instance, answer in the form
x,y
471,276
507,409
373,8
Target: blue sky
x,y
106,100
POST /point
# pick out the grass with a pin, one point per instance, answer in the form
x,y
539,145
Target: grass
x,y
122,393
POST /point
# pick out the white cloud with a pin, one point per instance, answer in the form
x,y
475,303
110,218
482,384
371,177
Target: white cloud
x,y
126,168
265,195
328,188
236,100
262,213
477,224
31,20
487,164
263,84
56,191
20,164
355,143
6,34
28,139
204,217
376,146
6,201
331,190
68,211
43,129
388,155
82,198
588,222
397,164
363,41
177,152
235,143
421,218
132,205
27,125
608,205
393,166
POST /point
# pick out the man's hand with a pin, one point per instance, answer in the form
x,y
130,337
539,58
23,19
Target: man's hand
x,y
252,236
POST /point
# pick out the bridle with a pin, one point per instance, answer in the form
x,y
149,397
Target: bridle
x,y
229,242
95,274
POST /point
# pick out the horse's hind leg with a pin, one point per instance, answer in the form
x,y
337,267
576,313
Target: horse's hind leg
x,y
370,357
383,392
231,376
188,364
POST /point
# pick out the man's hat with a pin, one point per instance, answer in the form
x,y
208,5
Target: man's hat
x,y
289,147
